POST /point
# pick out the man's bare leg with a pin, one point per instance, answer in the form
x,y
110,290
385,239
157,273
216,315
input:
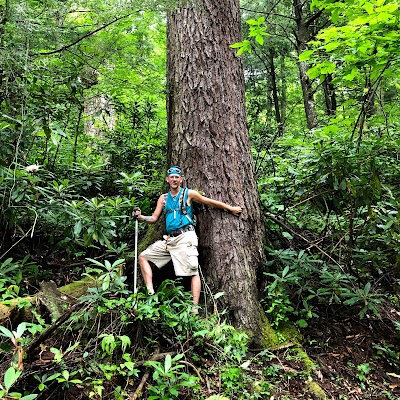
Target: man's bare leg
x,y
147,273
196,288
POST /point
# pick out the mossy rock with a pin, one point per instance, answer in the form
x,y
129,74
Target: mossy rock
x,y
316,391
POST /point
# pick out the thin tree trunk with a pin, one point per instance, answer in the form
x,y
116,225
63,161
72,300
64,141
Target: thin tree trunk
x,y
283,89
208,137
303,35
77,134
275,97
329,96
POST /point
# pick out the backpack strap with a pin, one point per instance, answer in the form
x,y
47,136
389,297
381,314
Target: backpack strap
x,y
164,201
182,202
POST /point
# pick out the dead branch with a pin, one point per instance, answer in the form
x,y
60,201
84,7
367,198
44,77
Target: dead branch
x,y
154,357
194,368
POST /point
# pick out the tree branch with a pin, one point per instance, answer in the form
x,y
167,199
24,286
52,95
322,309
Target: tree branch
x,y
67,46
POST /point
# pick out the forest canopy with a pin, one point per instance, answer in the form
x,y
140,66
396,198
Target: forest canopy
x,y
83,141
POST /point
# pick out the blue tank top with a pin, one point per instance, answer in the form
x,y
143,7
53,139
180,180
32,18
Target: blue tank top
x,y
174,217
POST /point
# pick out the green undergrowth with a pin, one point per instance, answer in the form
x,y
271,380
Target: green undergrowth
x,y
119,339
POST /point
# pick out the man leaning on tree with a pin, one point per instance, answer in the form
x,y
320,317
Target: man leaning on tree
x,y
180,242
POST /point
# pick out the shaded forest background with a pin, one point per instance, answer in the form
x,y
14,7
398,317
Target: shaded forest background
x,y
83,141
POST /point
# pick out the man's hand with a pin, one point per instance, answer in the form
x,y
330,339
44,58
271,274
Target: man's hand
x,y
236,210
136,213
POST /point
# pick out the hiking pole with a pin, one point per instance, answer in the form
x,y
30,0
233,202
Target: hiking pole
x,y
136,250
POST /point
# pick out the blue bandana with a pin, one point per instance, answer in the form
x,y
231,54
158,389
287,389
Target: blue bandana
x,y
174,171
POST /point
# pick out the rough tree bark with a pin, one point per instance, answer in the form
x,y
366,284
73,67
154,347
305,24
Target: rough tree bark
x,y
208,137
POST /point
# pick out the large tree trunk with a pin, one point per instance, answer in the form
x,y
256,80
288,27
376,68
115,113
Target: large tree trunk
x,y
208,137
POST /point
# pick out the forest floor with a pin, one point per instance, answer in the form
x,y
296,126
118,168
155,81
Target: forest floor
x,y
355,359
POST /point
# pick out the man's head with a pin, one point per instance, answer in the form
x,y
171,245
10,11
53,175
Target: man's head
x,y
175,170
174,176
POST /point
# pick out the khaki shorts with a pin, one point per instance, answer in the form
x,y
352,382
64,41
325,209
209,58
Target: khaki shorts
x,y
182,250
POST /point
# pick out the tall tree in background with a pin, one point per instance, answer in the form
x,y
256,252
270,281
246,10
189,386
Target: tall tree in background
x,y
208,137
306,29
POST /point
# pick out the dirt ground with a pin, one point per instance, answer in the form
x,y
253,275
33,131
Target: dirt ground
x,y
356,359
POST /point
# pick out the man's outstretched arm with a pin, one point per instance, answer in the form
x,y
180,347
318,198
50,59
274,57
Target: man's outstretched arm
x,y
198,198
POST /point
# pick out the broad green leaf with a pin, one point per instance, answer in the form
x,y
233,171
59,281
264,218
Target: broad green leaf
x,y
314,72
260,39
305,55
6,332
10,377
218,295
78,228
302,323
252,22
168,362
352,75
332,46
29,397
368,7
367,288
21,329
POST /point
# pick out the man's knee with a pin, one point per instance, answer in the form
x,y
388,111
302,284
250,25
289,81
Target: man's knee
x,y
142,259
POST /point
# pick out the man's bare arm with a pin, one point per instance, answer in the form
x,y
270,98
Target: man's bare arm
x,y
198,198
151,219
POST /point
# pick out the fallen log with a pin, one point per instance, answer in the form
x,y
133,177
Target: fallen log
x,y
56,300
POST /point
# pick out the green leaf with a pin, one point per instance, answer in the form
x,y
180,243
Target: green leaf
x,y
285,271
10,377
252,22
218,295
201,333
95,262
352,75
78,228
6,332
287,235
65,374
125,342
332,46
302,323
29,397
305,55
367,288
168,363
314,72
369,8
260,39
21,329
118,262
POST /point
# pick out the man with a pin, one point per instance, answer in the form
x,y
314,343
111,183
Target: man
x,y
180,242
